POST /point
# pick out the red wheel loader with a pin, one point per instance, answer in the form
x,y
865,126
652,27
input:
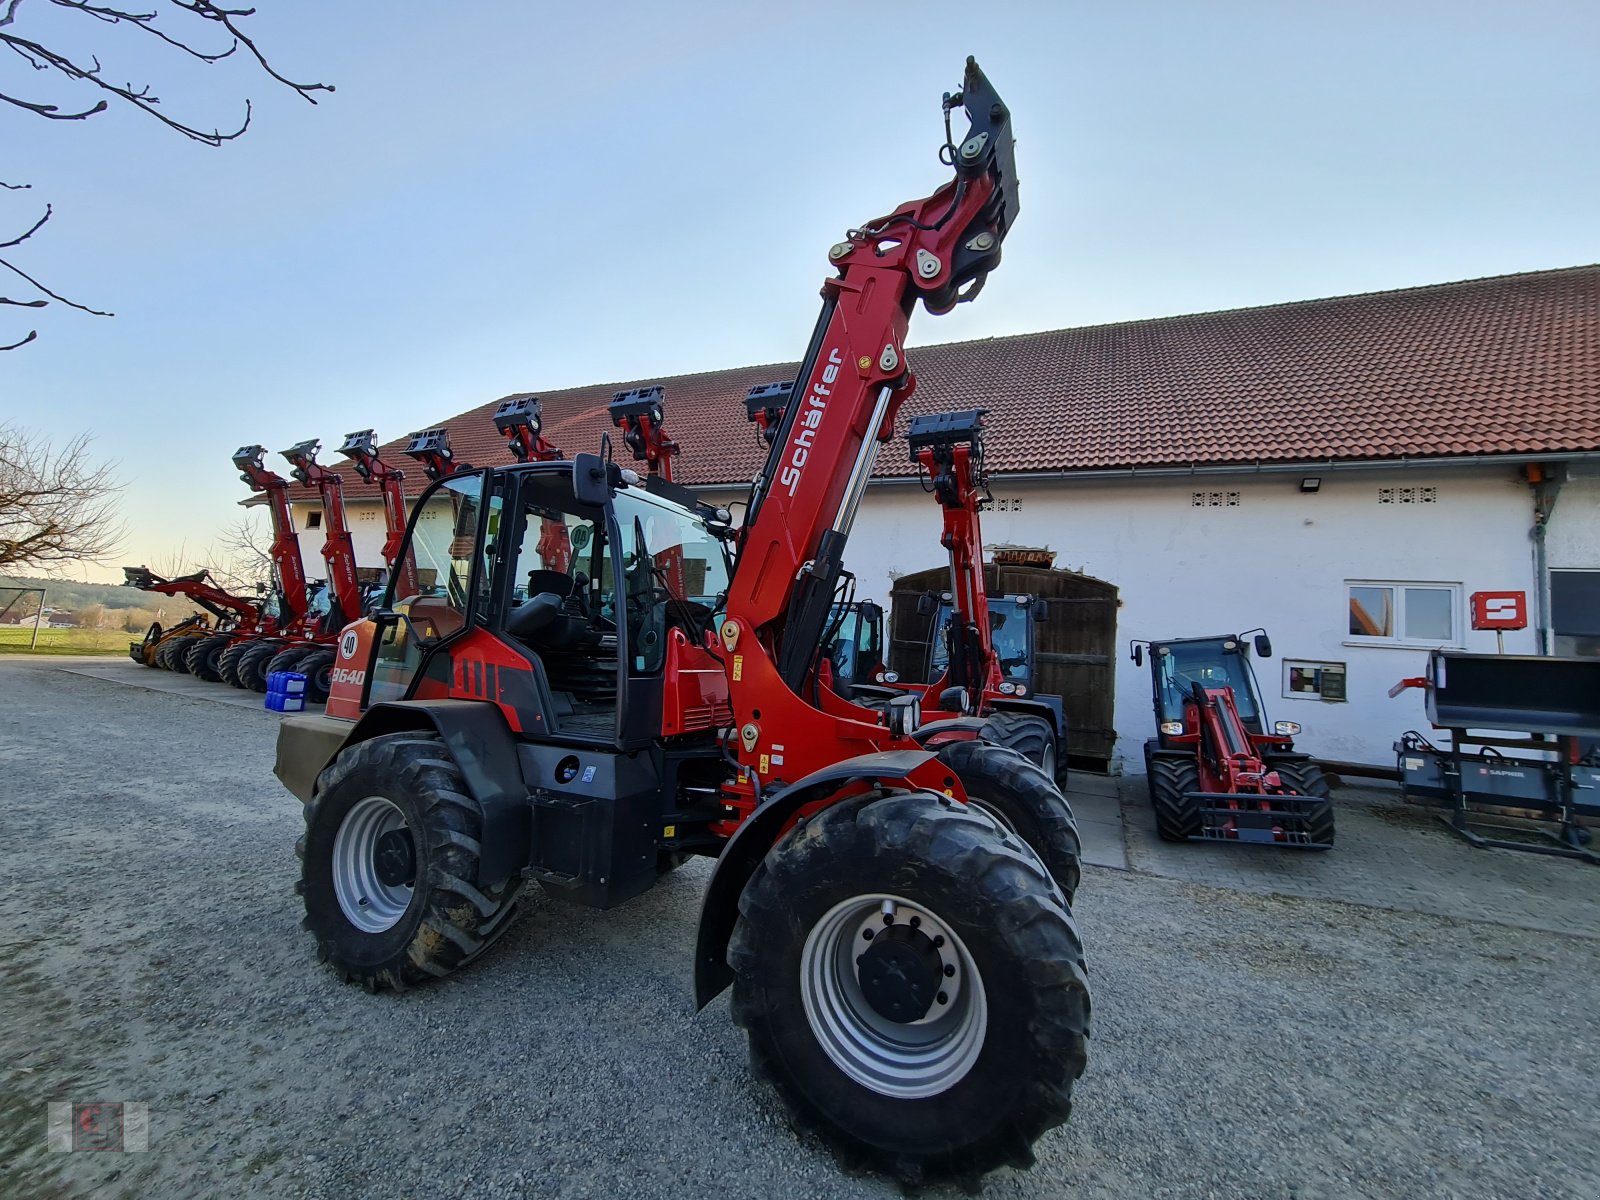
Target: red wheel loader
x,y
904,962
1215,773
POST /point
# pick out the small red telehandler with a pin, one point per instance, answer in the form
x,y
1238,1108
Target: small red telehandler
x,y
244,663
906,967
311,650
193,648
1215,773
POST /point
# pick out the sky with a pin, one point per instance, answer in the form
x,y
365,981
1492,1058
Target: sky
x,y
509,196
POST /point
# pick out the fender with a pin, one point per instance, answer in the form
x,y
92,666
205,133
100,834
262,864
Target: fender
x,y
485,751
719,913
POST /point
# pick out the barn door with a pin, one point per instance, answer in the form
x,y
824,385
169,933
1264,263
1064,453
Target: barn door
x,y
1073,652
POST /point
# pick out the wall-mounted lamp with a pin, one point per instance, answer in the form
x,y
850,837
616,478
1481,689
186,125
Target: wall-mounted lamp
x,y
1311,483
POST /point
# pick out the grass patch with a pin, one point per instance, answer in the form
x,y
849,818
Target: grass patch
x,y
15,639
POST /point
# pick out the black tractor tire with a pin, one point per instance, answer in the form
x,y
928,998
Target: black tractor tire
x,y
1030,737
318,669
165,652
228,662
1021,798
178,656
1011,927
288,659
200,659
253,665
448,919
1171,780
1304,776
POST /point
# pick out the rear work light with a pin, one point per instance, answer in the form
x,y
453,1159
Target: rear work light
x,y
1172,727
1286,728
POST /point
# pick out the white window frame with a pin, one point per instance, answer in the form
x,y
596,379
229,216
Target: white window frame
x,y
1457,614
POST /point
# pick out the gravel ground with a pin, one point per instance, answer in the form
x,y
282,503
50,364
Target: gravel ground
x,y
1244,1045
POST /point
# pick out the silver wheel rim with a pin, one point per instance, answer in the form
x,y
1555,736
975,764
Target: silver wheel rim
x,y
1049,763
367,902
910,1060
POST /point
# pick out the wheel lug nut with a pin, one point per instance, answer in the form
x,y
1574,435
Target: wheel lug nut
x,y
867,933
949,970
939,940
888,918
942,998
916,922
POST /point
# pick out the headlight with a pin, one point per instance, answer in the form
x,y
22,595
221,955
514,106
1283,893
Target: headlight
x,y
1172,727
881,677
1008,689
904,715
1022,690
1286,728
891,676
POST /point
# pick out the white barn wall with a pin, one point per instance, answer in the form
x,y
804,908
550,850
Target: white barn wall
x,y
1280,559
1573,540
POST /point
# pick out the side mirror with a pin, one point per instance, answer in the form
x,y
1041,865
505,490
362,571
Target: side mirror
x,y
870,610
1263,646
927,605
1041,611
591,480
1138,655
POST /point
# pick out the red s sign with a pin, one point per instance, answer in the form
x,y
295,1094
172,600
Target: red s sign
x,y
1499,610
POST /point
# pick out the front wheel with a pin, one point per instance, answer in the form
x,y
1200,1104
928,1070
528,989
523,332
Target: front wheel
x,y
1023,800
913,985
389,868
1305,777
1030,737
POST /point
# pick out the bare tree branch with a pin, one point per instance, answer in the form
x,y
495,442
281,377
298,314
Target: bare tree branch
x,y
91,75
56,506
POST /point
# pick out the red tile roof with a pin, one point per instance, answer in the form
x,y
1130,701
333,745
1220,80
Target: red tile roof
x,y
1504,365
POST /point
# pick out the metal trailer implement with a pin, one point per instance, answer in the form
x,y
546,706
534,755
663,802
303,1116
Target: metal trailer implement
x,y
1554,703
894,921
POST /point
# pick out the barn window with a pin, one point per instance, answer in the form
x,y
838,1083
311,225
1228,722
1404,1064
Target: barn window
x,y
1403,614
314,520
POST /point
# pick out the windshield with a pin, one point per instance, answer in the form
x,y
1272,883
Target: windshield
x,y
1180,665
675,574
1008,626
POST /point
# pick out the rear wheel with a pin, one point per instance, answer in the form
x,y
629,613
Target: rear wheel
x,y
389,867
288,659
1171,781
165,651
200,659
253,665
178,656
1030,737
912,985
1023,800
318,669
228,662
1304,776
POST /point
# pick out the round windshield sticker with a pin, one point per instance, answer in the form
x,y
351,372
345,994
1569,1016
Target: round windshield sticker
x,y
347,644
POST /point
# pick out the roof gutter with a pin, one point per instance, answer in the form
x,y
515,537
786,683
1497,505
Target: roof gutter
x,y
1194,470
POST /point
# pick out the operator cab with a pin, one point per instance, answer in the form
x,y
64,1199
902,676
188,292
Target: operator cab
x,y
559,610
1011,621
1211,663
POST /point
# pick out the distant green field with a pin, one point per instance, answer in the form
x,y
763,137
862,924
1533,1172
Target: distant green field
x,y
14,639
